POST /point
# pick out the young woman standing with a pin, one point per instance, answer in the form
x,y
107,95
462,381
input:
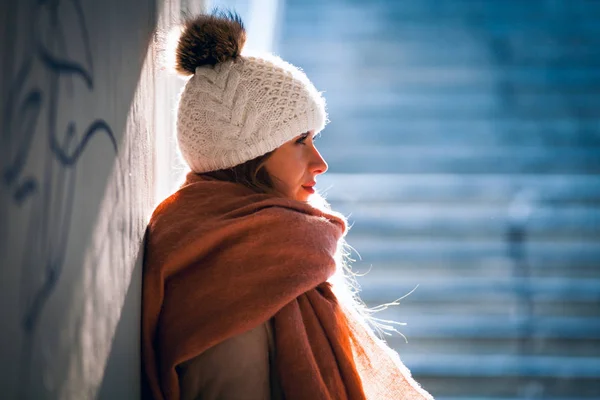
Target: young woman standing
x,y
245,293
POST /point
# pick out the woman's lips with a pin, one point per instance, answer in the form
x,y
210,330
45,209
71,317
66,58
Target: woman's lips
x,y
309,189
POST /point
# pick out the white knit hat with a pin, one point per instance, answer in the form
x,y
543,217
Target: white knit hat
x,y
235,108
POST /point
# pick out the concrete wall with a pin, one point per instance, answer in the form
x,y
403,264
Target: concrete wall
x,y
83,95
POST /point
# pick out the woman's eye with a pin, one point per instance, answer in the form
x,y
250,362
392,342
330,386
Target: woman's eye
x,y
301,140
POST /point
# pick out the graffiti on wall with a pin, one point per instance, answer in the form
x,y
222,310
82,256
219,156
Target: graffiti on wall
x,y
44,182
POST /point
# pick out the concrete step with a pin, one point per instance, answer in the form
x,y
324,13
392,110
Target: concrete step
x,y
392,106
502,306
438,221
459,110
468,78
517,397
458,188
367,44
377,158
501,365
483,101
482,265
480,132
454,29
387,287
479,326
554,347
507,11
508,387
425,50
386,251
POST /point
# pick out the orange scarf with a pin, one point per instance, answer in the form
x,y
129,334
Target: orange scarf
x,y
221,260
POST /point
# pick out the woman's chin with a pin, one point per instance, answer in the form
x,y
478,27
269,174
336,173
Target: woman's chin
x,y
304,195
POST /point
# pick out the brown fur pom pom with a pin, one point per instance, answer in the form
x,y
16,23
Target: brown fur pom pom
x,y
208,40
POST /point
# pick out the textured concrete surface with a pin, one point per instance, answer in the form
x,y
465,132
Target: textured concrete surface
x,y
81,88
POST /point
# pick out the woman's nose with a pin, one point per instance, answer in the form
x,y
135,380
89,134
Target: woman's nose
x,y
319,165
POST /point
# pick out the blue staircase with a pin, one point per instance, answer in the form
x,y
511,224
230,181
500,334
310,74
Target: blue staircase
x,y
465,147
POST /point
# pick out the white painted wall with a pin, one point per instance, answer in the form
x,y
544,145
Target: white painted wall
x,y
83,96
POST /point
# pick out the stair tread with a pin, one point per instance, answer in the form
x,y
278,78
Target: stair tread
x,y
503,365
443,220
458,187
491,326
365,158
432,288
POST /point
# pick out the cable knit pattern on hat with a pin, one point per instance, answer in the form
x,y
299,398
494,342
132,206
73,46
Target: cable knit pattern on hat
x,y
240,109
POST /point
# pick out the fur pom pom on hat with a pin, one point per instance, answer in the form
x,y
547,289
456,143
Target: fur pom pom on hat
x,y
234,107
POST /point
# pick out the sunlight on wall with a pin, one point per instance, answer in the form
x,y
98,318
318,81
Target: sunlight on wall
x,y
113,257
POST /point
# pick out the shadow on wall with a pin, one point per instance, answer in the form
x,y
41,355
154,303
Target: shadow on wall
x,y
32,109
125,348
76,152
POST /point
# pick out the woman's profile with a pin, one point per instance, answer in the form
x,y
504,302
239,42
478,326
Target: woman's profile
x,y
244,288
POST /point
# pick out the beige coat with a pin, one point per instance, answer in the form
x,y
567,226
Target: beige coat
x,y
242,367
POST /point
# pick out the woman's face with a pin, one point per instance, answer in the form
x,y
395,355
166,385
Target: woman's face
x,y
295,165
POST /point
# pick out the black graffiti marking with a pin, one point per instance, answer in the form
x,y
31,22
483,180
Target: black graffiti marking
x,y
51,195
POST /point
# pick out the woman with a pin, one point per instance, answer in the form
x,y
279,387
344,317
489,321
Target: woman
x,y
244,292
